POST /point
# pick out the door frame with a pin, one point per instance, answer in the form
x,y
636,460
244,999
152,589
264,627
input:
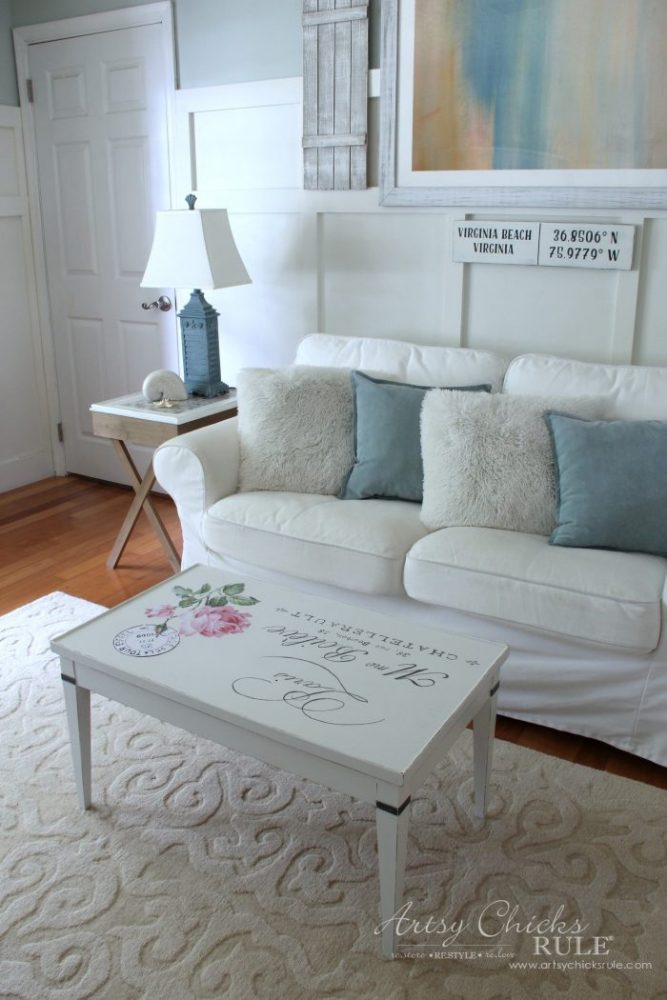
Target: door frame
x,y
159,13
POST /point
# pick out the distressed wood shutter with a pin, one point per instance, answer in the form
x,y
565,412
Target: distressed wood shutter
x,y
335,93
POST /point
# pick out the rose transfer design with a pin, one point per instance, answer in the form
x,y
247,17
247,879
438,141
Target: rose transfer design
x,y
208,612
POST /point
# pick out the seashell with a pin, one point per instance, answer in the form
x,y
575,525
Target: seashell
x,y
163,384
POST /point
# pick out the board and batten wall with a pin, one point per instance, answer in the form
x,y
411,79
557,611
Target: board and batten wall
x,y
338,262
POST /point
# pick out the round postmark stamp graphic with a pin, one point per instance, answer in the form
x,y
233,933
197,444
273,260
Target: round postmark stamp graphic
x,y
146,640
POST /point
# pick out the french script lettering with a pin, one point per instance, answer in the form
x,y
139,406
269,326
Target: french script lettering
x,y
321,697
334,652
419,676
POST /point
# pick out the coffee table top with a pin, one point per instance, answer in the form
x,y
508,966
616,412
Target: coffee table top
x,y
349,685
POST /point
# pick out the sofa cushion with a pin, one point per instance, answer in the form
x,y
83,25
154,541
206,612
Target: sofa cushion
x,y
387,444
631,392
356,544
611,483
403,361
610,598
488,460
296,428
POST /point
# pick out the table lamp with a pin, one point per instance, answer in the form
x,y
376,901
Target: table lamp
x,y
195,248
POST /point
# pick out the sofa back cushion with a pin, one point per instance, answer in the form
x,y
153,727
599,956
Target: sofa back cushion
x,y
387,445
296,429
611,478
488,460
395,359
630,392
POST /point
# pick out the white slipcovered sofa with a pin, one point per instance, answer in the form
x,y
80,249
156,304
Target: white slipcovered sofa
x,y
588,652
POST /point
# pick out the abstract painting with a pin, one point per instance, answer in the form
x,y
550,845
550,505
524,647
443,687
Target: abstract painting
x,y
539,84
562,98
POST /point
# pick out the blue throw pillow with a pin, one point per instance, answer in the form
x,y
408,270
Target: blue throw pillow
x,y
611,481
388,458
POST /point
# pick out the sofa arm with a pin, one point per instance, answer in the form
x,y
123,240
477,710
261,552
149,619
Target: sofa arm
x,y
197,469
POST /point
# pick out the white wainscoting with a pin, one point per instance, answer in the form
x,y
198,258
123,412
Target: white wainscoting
x,y
339,263
25,449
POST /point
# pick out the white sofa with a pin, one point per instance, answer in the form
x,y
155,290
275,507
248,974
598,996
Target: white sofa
x,y
585,626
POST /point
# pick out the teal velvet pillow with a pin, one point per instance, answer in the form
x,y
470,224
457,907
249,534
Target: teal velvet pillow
x,y
388,458
611,481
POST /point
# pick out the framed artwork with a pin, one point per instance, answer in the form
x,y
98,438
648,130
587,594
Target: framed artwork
x,y
553,103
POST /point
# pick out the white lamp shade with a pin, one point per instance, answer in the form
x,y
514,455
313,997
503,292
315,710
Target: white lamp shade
x,y
194,249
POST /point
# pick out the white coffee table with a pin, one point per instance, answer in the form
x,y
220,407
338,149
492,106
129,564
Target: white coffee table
x,y
364,703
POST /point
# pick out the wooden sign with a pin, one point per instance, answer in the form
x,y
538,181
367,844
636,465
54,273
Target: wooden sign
x,y
567,244
506,242
552,244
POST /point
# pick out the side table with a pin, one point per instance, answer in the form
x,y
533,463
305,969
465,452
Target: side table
x,y
133,420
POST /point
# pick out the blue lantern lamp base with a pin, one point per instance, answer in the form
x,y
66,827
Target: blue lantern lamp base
x,y
201,352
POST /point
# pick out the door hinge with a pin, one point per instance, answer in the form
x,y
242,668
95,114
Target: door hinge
x,y
30,90
59,429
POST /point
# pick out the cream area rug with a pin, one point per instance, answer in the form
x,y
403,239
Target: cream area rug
x,y
200,873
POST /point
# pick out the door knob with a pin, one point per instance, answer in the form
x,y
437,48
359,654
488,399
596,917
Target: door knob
x,y
163,304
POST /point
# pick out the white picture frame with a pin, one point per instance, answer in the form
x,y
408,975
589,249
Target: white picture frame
x,y
400,185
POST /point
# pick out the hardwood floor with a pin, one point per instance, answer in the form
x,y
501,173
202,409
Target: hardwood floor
x,y
56,535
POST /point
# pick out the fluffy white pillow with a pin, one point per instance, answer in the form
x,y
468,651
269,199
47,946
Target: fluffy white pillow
x,y
488,459
296,429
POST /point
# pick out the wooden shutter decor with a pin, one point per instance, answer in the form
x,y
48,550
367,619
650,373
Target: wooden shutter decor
x,y
335,94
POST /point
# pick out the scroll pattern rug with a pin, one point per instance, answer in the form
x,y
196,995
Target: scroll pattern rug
x,y
201,873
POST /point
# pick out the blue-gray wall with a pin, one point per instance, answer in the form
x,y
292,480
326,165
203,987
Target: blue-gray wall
x,y
218,41
8,90
227,41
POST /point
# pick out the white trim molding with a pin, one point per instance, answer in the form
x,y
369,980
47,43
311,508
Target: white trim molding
x,y
92,24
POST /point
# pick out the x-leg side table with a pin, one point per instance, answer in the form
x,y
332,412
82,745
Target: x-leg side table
x,y
131,420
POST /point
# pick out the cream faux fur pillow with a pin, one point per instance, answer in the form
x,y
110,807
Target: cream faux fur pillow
x,y
296,429
488,459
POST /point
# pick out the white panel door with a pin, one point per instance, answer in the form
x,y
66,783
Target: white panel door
x,y
100,107
25,448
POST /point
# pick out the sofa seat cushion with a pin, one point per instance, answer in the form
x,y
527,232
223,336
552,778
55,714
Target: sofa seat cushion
x,y
610,598
356,544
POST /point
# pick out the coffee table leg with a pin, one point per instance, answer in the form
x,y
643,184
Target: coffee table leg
x,y
484,727
392,835
77,703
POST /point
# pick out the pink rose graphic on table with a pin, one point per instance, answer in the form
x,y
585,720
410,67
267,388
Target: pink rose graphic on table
x,y
206,611
213,621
